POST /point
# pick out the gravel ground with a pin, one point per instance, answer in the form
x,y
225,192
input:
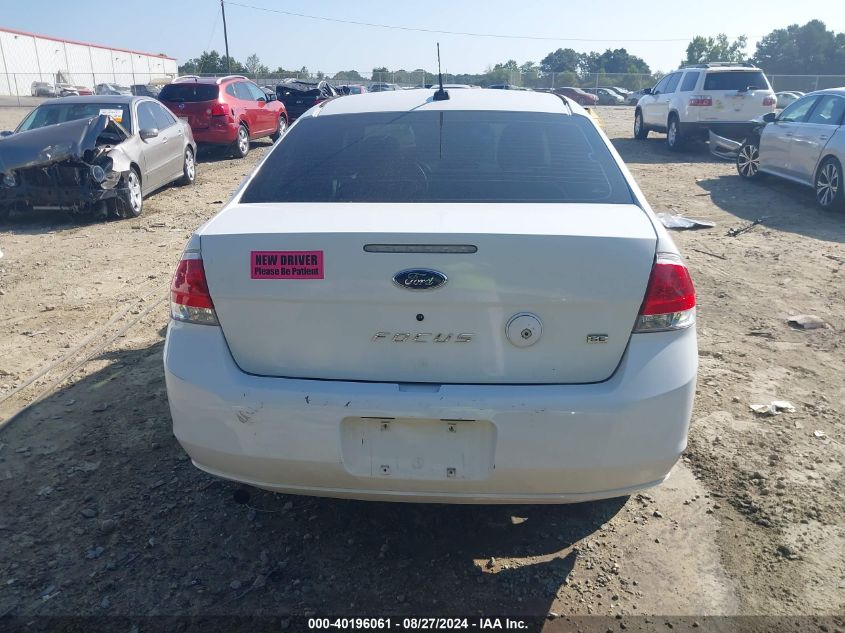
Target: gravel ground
x,y
104,514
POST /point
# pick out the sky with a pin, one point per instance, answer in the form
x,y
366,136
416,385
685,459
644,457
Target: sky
x,y
184,29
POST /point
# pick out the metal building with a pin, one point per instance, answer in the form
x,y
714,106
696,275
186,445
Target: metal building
x,y
27,59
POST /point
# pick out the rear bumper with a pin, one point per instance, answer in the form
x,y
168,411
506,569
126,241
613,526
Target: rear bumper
x,y
216,135
736,130
547,443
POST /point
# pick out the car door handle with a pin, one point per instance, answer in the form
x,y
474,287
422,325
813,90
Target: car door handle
x,y
823,137
788,134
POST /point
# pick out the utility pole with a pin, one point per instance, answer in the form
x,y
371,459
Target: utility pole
x,y
226,39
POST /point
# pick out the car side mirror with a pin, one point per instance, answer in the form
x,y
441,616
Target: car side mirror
x,y
769,117
648,91
148,133
6,133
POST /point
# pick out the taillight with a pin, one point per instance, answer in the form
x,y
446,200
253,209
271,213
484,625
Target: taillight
x,y
190,300
319,100
701,100
770,101
669,302
220,109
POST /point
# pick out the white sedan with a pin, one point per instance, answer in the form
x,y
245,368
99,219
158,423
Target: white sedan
x,y
787,98
463,300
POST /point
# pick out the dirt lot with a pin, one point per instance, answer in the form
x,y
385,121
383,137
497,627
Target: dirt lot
x,y
103,513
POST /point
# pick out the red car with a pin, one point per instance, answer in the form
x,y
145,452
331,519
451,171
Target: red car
x,y
578,96
229,111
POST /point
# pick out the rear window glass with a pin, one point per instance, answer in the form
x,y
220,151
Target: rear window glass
x,y
736,80
299,91
449,156
188,92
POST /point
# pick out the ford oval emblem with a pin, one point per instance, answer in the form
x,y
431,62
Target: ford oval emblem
x,y
419,279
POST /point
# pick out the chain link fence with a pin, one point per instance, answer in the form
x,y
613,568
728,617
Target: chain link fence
x,y
805,83
29,89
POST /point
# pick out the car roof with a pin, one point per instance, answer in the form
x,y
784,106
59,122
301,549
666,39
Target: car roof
x,y
188,79
829,91
423,99
108,99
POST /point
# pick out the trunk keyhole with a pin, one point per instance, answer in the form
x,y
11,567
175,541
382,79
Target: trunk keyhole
x,y
524,329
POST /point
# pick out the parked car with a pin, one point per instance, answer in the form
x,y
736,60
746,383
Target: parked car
x,y
805,143
67,90
606,96
112,89
42,89
83,91
621,92
408,342
229,111
634,97
383,87
145,90
351,89
690,102
577,95
94,154
299,96
504,87
787,98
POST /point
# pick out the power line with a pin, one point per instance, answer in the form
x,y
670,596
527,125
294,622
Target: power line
x,y
463,33
211,37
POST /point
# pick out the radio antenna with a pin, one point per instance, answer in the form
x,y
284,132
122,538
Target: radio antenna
x,y
441,94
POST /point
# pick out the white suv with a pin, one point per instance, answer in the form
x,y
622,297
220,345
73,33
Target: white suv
x,y
718,96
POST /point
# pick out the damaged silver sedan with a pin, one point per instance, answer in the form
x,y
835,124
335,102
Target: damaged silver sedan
x,y
805,143
97,155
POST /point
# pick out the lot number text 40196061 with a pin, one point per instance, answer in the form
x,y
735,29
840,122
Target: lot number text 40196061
x,y
416,624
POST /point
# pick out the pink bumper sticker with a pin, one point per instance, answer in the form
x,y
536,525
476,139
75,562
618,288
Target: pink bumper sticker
x,y
286,264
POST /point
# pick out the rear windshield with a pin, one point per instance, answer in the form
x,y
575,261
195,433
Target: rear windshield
x,y
53,113
449,156
736,80
299,93
188,92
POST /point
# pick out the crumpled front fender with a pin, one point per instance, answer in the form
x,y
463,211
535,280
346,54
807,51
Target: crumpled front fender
x,y
120,161
723,147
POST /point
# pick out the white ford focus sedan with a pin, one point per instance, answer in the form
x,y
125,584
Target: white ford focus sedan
x,y
461,300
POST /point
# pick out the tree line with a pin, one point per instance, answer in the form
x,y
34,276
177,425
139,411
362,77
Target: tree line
x,y
809,49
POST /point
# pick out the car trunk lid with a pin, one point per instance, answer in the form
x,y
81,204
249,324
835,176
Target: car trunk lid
x,y
307,290
193,102
736,95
